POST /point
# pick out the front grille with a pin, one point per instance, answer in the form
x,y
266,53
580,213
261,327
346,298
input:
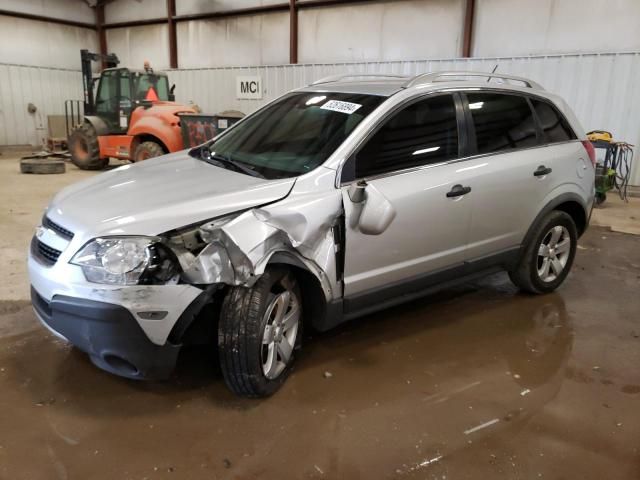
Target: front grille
x,y
63,232
44,253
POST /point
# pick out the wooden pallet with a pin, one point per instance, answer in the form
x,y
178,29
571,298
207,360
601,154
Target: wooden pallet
x,y
57,144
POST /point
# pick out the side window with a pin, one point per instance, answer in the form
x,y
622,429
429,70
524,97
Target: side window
x,y
424,132
502,122
553,124
107,92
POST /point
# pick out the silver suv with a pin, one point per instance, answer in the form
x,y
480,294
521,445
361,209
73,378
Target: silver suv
x,y
351,195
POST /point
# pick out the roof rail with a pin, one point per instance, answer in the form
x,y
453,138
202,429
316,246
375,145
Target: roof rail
x,y
432,77
336,78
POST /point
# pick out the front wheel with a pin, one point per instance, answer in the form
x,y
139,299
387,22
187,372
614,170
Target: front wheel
x,y
259,329
147,150
85,148
548,256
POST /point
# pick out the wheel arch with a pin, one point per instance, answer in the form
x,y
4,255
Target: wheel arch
x,y
147,125
314,300
146,137
569,203
98,124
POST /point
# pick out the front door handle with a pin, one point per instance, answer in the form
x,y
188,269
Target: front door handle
x,y
541,171
457,191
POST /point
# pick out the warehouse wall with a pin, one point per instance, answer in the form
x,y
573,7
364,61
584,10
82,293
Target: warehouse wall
x,y
245,40
46,88
381,31
579,78
134,45
76,10
29,42
525,27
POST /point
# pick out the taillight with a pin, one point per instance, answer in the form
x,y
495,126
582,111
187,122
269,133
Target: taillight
x,y
591,151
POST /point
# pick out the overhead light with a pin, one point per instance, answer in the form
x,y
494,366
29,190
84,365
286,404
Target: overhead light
x,y
314,100
476,106
426,150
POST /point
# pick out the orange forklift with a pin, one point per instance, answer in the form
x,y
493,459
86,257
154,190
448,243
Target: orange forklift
x,y
133,116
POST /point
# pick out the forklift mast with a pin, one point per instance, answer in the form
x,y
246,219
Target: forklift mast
x,y
110,60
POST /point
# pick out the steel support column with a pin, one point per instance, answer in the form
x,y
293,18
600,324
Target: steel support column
x,y
467,42
102,34
173,40
293,32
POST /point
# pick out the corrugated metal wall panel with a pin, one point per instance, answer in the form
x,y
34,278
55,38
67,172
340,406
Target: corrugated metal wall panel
x,y
601,88
46,88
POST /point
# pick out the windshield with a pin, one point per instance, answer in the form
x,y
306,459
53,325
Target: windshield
x,y
142,82
296,134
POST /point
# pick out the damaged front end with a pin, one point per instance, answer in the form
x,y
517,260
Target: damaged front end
x,y
235,250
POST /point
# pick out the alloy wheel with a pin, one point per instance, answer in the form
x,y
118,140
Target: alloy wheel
x,y
553,253
281,329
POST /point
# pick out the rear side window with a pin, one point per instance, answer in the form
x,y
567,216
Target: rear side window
x,y
502,122
553,124
424,132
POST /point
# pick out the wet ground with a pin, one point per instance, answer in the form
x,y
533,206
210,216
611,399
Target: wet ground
x,y
477,382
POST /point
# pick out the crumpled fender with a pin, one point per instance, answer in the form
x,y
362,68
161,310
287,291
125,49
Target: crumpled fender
x,y
239,250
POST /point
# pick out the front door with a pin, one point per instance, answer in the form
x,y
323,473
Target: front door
x,y
411,162
113,100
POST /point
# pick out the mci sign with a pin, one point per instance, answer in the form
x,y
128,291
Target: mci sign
x,y
249,88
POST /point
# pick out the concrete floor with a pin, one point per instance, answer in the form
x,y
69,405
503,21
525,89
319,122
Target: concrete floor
x,y
476,382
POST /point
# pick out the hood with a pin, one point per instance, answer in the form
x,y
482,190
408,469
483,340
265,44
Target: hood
x,y
158,195
164,108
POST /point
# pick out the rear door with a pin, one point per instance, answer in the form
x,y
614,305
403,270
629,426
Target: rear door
x,y
507,151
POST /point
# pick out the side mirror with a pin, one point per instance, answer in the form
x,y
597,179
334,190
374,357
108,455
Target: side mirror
x,y
171,96
377,212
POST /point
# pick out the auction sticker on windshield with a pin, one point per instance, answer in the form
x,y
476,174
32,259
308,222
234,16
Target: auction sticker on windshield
x,y
342,107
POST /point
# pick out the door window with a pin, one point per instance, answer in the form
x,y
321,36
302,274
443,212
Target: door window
x,y
553,124
424,132
502,122
107,93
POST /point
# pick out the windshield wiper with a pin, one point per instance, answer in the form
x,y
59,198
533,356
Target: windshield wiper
x,y
208,156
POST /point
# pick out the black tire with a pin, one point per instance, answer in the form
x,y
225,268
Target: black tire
x,y
42,165
242,326
526,275
84,148
148,150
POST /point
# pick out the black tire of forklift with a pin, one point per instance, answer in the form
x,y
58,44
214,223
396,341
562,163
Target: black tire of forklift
x,y
84,148
148,150
42,165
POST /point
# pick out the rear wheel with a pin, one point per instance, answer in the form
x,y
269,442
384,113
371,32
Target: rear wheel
x,y
84,148
548,256
259,329
148,150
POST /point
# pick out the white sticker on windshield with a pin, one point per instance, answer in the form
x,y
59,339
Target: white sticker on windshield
x,y
342,107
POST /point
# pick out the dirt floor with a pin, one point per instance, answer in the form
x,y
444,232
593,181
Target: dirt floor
x,y
476,382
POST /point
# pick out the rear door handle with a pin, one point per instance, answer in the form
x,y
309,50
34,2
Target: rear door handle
x,y
542,170
457,191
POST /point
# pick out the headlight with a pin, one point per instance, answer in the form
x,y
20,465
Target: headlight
x,y
125,261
